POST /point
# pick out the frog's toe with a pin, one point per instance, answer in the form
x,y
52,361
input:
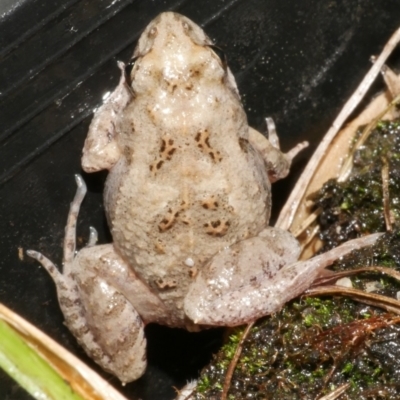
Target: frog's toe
x,y
93,237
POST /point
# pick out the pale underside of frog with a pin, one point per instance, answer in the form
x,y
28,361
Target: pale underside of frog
x,y
187,200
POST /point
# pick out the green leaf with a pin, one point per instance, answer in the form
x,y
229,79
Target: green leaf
x,y
32,372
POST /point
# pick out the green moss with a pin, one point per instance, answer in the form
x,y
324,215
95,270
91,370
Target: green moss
x,y
296,359
355,207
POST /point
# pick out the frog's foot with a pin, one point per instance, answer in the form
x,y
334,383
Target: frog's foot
x,y
93,237
278,163
251,279
274,140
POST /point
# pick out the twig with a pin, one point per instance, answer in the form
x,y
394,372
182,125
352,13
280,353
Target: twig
x,y
376,300
336,393
234,361
307,222
385,195
333,276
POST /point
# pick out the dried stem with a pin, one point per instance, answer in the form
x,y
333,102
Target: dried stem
x,y
376,300
385,195
234,361
307,222
333,276
336,393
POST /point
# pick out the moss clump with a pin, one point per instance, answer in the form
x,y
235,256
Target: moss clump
x,y
355,207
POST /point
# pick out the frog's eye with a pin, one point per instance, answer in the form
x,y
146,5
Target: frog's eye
x,y
221,55
152,33
146,40
186,27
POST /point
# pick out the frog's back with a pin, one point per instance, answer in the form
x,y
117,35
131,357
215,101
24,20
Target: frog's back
x,y
189,183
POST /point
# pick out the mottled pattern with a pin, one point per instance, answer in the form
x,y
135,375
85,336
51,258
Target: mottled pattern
x,y
194,184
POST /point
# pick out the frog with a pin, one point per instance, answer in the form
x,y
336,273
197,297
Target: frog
x,y
187,200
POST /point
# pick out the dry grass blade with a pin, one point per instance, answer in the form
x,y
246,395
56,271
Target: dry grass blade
x,y
307,222
337,275
234,361
336,393
376,300
386,196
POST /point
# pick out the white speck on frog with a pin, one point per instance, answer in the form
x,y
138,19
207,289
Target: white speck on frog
x,y
189,186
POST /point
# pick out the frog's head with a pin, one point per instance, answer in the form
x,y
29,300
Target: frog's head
x,y
174,53
169,29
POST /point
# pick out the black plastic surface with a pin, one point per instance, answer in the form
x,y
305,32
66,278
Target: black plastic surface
x,y
297,61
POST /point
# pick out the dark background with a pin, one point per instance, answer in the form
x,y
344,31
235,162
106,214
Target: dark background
x,y
297,61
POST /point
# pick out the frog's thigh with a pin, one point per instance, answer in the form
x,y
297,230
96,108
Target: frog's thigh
x,y
218,296
115,330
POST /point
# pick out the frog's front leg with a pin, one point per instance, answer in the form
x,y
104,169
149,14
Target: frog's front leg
x,y
101,150
104,304
277,163
256,277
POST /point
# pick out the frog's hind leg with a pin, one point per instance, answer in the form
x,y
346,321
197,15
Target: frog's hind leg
x,y
256,277
116,305
114,335
92,298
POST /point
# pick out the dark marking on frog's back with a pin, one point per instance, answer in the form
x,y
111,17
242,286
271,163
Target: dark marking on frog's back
x,y
217,228
171,217
203,143
210,203
244,145
166,151
166,224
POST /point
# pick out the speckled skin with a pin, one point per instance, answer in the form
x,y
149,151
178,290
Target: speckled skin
x,y
187,200
186,182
